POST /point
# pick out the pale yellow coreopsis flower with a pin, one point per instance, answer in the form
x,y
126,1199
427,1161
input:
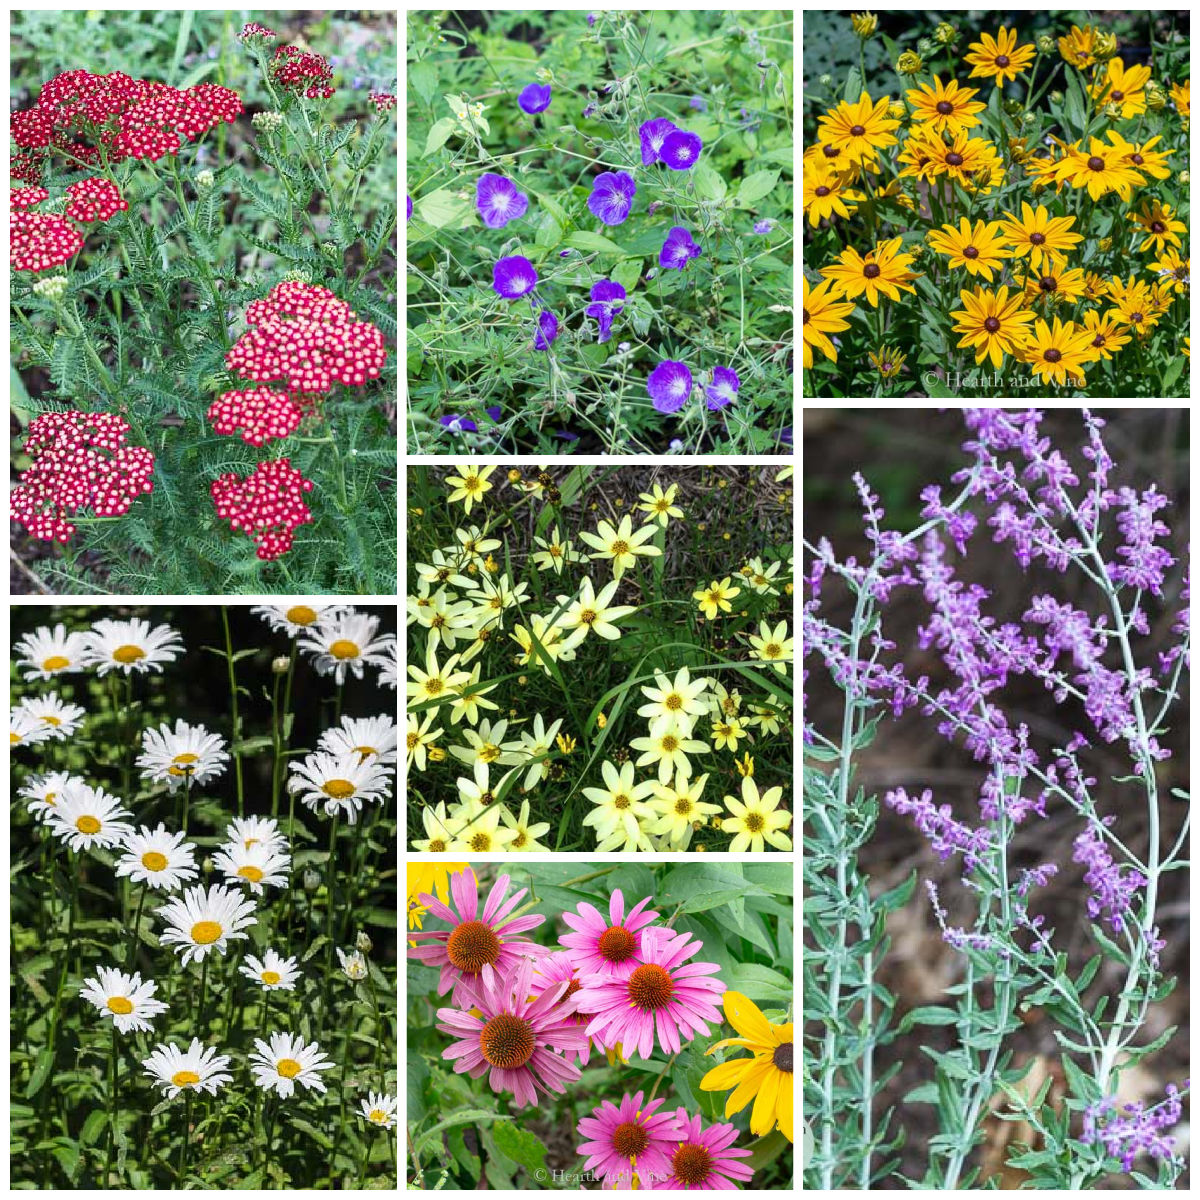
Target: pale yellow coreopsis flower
x,y
419,737
435,684
679,806
678,699
555,553
470,699
548,639
757,819
592,612
716,597
469,484
668,747
622,544
661,505
727,733
772,645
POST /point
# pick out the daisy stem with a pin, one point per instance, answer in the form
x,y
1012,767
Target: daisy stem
x,y
233,701
329,872
203,984
181,1171
281,729
187,799
137,924
366,1160
113,1068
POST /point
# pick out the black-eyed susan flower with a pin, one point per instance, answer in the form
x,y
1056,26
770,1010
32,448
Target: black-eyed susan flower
x,y
1095,286
979,248
858,129
766,1077
881,270
1078,47
888,360
1159,225
827,193
1123,86
827,156
918,156
1134,304
1045,239
1187,347
1181,97
945,108
992,323
621,544
1107,335
824,313
1058,351
1053,284
967,159
1174,272
999,58
1142,156
1102,169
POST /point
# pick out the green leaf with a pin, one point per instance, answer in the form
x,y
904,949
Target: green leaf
x,y
936,388
929,1015
854,86
520,1145
439,132
760,983
627,274
549,233
92,1126
423,78
464,1116
710,185
593,243
322,1139
1171,375
41,1072
777,878
442,208
754,187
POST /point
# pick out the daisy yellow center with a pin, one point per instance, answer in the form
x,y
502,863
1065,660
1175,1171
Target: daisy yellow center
x,y
271,978
782,1057
616,944
670,744
472,946
618,548
377,1116
153,861
204,933
365,751
87,824
629,1139
772,649
251,873
182,1079
119,1005
289,1068
128,654
343,649
650,987
621,801
754,822
691,1164
339,789
507,1042
55,662
49,720
301,614
13,738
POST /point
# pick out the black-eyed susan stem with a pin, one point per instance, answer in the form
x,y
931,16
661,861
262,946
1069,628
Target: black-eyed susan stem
x,y
233,704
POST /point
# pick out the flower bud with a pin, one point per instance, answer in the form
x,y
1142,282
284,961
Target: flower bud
x,y
945,33
1029,118
909,64
437,754
52,288
205,180
1184,177
1046,43
1105,243
1156,98
897,110
1056,97
354,966
1105,46
825,80
363,943
279,666
207,867
926,47
1112,111
1013,106
312,880
864,24
267,122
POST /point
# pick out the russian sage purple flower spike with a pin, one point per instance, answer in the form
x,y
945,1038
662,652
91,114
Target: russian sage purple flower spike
x,y
612,196
498,200
1133,1129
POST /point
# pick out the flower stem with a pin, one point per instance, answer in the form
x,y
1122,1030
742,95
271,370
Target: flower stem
x,y
233,703
137,925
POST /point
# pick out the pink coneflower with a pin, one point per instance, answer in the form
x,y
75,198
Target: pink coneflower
x,y
558,968
663,990
514,1037
609,948
478,947
704,1161
629,1138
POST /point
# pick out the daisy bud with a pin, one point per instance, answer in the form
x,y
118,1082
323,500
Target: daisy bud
x,y
926,47
523,680
1045,43
1106,45
1056,97
944,34
1029,118
909,64
864,24
825,80
207,866
280,665
1185,177
354,966
312,880
363,943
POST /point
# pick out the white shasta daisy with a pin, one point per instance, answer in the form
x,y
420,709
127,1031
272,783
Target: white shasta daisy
x,y
379,1109
158,858
61,718
43,792
343,642
46,653
271,971
354,966
340,783
287,1061
261,865
372,738
85,816
173,756
197,1067
204,920
388,662
254,831
24,729
124,998
294,619
130,646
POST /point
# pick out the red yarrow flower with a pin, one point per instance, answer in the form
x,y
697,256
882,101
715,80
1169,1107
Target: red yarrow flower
x,y
259,414
302,72
40,241
94,199
26,197
383,101
306,337
252,29
80,461
26,168
267,505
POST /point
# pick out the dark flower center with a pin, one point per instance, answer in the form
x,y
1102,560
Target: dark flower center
x,y
1048,284
1118,95
650,987
945,107
572,988
885,367
805,312
822,190
1136,158
472,946
1095,163
691,1164
507,1042
629,1139
1052,355
1037,238
832,151
970,252
616,944
782,1057
1098,340
1157,227
991,324
1002,60
857,131
1136,317
871,270
954,158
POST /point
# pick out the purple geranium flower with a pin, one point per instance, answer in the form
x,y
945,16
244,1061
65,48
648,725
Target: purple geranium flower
x,y
514,277
763,226
681,149
612,196
494,412
409,217
652,135
723,389
547,330
699,103
498,200
534,98
678,249
606,294
669,385
457,424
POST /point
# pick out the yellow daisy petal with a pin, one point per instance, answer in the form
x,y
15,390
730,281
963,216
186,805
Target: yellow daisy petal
x,y
746,1017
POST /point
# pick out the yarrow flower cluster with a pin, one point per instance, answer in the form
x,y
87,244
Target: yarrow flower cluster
x,y
266,505
302,72
41,241
80,461
258,415
94,199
